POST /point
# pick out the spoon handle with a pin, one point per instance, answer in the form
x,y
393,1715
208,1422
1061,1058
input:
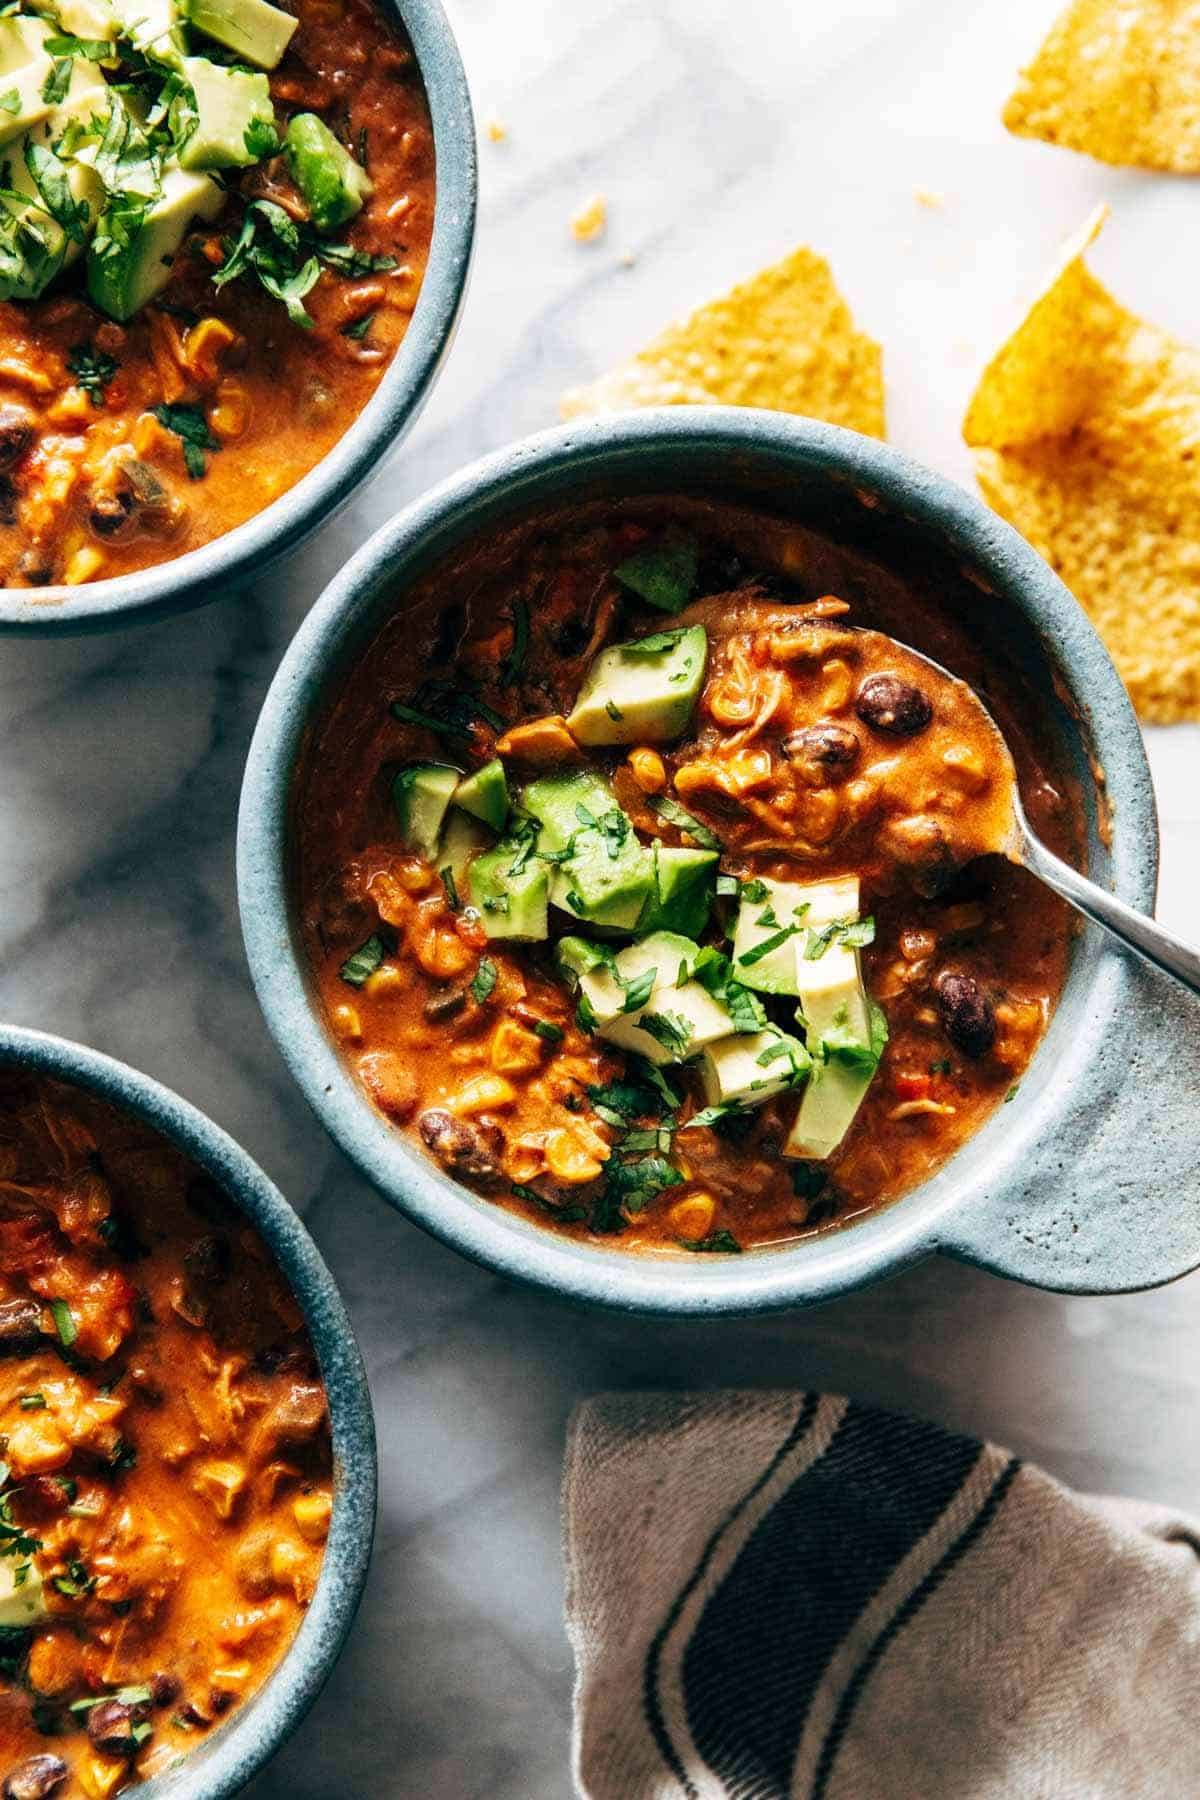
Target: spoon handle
x,y
1144,935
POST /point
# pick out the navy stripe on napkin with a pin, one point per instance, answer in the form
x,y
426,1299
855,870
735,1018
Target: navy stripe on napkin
x,y
764,1640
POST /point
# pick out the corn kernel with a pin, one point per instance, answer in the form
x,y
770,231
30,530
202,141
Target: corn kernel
x,y
515,1051
387,980
485,1093
347,1025
648,770
204,346
71,408
312,1514
36,1446
100,1776
692,1217
291,1567
839,682
568,1159
86,563
968,768
231,412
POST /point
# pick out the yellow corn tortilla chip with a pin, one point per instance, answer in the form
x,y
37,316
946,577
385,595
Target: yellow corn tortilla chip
x,y
1119,80
784,339
1086,433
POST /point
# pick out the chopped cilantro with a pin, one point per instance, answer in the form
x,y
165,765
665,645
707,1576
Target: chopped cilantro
x,y
754,891
92,369
614,712
674,814
365,960
855,934
1012,1093
191,428
358,328
553,1034
654,645
719,1242
639,990
446,877
710,1115
10,100
515,660
485,975
669,1030
64,1323
54,88
32,1402
758,951
585,1015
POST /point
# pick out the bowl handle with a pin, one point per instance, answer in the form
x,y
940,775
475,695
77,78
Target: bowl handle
x,y
1112,1202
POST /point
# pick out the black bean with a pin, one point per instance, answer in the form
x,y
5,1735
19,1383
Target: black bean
x,y
20,1326
36,1778
220,1699
968,1016
110,1727
16,434
828,751
109,511
164,1689
460,1147
920,847
445,1004
887,703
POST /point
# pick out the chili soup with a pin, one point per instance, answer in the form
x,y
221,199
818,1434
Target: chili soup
x,y
167,1471
214,223
638,874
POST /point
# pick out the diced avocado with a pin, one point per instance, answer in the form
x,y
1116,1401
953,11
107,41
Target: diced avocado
x,y
750,1068
421,795
125,276
21,103
40,269
642,692
683,891
845,1032
769,912
253,29
663,575
677,1023
485,794
575,956
510,905
25,1605
22,41
462,838
327,175
607,879
610,980
829,986
155,27
232,106
555,800
79,18
86,95
831,1101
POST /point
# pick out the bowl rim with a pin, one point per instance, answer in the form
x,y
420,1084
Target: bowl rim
x,y
241,1746
202,574
500,485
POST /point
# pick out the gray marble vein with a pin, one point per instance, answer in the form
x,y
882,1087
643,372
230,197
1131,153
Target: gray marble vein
x,y
721,136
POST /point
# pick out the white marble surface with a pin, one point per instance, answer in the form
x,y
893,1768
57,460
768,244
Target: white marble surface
x,y
721,135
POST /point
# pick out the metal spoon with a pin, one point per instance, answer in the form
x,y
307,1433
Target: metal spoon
x,y
1021,844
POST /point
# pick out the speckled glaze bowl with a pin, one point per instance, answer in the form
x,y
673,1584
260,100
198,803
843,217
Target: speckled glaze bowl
x,y
238,1749
245,553
1085,1182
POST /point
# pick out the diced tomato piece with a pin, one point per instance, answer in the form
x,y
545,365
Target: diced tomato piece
x,y
910,1085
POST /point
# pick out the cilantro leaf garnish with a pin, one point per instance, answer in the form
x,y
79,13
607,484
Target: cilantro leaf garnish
x,y
485,980
721,1242
765,947
855,934
64,1323
364,962
10,101
654,645
639,990
191,428
358,328
515,660
93,370
668,1029
674,814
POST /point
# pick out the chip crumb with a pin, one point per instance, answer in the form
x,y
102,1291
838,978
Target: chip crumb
x,y
1117,80
784,339
591,221
497,130
929,197
1085,428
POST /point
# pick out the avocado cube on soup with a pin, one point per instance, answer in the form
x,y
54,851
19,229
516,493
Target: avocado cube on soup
x,y
607,879
233,107
21,42
153,27
79,18
766,932
622,986
683,890
676,1023
485,794
128,274
511,892
642,692
327,175
23,1605
557,800
24,106
749,1069
253,29
421,795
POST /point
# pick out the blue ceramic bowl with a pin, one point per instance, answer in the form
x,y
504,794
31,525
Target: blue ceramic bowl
x,y
1035,1193
238,1749
245,553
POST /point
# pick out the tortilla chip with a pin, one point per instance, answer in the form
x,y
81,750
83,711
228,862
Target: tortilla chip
x,y
784,339
1086,432
1119,80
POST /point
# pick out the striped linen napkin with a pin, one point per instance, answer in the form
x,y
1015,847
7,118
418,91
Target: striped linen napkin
x,y
795,1596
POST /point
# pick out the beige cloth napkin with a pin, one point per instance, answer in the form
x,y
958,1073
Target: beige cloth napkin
x,y
792,1595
